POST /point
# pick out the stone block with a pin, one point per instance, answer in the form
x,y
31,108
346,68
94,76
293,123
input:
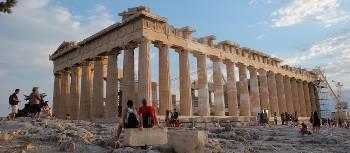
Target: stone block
x,y
187,141
147,136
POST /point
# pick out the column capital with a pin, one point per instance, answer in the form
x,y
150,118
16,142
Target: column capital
x,y
179,49
251,68
227,62
115,51
57,74
214,58
143,40
76,65
262,71
86,63
240,65
160,44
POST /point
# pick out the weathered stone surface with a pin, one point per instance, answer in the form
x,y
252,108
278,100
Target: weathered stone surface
x,y
146,136
187,141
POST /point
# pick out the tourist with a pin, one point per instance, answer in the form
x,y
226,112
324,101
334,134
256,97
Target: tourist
x,y
282,118
261,118
266,119
147,115
175,119
13,101
312,117
304,129
275,117
34,102
67,116
167,118
128,120
316,123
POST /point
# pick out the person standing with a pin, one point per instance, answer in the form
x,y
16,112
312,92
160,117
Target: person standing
x,y
34,102
13,101
316,124
275,117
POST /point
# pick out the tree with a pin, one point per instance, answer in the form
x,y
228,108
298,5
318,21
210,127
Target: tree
x,y
6,7
25,112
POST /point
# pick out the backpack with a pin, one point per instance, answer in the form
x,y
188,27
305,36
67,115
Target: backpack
x,y
148,119
131,121
11,101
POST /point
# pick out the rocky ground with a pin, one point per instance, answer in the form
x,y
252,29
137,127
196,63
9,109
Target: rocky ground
x,y
82,136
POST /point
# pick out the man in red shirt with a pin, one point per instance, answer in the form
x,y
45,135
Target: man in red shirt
x,y
147,116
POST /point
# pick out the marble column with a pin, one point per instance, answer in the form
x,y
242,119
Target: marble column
x,y
301,98
254,91
312,97
86,91
272,93
65,98
231,90
57,94
128,82
219,104
185,84
203,94
288,93
307,99
295,95
243,89
144,72
263,90
164,79
281,94
74,106
112,85
97,108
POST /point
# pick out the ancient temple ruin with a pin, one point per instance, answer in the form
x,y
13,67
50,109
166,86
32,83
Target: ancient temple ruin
x,y
79,73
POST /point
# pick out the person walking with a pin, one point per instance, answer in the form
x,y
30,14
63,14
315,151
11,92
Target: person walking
x,y
14,101
275,117
34,102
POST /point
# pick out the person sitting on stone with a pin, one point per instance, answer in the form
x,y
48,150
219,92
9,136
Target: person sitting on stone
x,y
129,120
147,115
304,129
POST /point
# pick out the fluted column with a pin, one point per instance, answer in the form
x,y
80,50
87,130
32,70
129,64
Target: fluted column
x,y
288,93
231,90
254,92
164,79
295,95
112,85
86,91
128,82
185,84
203,94
65,98
264,90
74,106
57,94
243,91
281,94
272,93
301,98
219,104
307,98
144,72
312,97
97,108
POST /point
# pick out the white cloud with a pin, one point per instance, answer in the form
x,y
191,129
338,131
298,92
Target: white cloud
x,y
324,12
101,18
260,36
333,54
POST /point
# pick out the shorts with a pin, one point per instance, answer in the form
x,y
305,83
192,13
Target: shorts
x,y
14,109
35,108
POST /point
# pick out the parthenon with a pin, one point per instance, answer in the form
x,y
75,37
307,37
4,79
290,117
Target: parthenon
x,y
79,73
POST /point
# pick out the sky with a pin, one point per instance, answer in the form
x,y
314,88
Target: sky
x,y
303,33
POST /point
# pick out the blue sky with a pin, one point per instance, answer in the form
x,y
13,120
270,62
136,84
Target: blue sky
x,y
303,33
